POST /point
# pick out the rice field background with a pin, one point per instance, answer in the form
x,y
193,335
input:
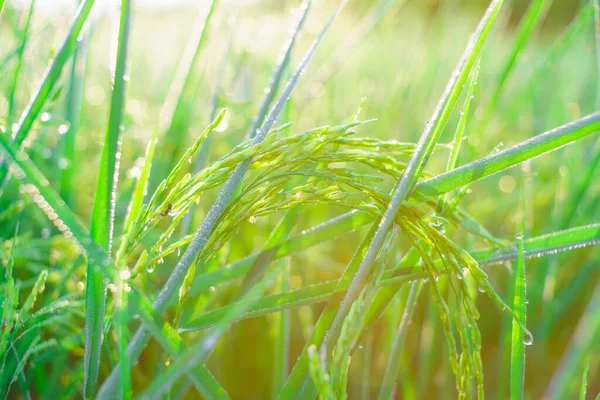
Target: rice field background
x,y
387,199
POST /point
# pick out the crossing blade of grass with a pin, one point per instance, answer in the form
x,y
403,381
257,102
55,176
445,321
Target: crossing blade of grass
x,y
104,209
419,158
517,359
533,16
17,69
532,248
509,157
585,337
393,365
198,243
538,246
284,59
198,353
48,82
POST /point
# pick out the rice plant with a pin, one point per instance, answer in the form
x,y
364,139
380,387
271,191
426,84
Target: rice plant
x,y
300,199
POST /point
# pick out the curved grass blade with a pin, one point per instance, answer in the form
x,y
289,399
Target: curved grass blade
x,y
197,244
50,78
517,359
416,164
103,211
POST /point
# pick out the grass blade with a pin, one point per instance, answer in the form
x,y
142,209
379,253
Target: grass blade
x,y
393,365
518,341
174,345
104,209
514,155
50,78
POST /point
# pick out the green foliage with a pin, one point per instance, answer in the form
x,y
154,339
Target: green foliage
x,y
236,250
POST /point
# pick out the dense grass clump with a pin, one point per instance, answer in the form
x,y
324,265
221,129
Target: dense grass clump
x,y
356,229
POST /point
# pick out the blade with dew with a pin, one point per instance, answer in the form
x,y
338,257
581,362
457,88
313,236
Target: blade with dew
x,y
460,129
67,223
197,244
103,211
416,164
518,340
509,157
50,78
137,199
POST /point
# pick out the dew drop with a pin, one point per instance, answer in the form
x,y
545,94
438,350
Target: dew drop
x,y
519,236
527,338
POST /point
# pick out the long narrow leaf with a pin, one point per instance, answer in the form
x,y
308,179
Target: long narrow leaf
x,y
48,82
104,209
